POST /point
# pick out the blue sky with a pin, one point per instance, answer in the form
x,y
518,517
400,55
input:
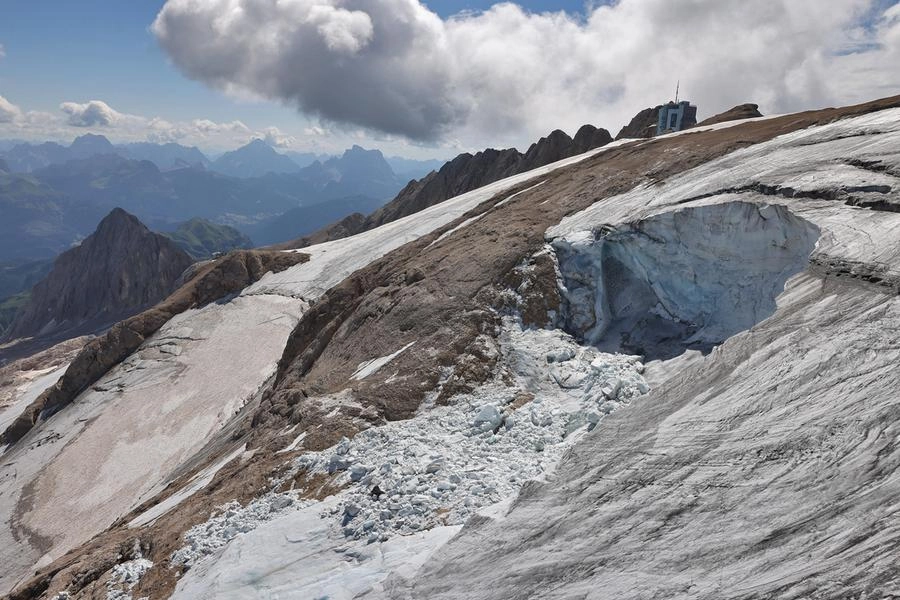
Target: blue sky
x,y
501,80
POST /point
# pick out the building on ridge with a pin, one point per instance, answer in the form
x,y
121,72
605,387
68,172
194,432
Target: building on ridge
x,y
676,116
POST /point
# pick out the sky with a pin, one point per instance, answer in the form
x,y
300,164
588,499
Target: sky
x,y
421,79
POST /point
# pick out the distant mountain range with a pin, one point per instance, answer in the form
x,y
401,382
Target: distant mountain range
x,y
52,207
52,195
24,157
255,159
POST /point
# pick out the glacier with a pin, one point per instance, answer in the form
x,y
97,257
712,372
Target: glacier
x,y
711,413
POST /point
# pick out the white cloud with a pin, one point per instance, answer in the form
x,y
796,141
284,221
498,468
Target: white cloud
x,y
2,52
9,112
95,113
316,131
393,66
278,139
75,118
343,31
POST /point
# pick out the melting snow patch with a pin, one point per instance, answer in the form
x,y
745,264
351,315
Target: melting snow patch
x,y
197,483
370,367
293,445
511,196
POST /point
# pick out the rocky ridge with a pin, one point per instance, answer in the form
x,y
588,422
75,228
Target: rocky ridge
x,y
741,111
464,173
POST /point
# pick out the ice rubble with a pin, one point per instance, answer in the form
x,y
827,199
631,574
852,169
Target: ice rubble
x,y
124,577
769,471
231,520
449,462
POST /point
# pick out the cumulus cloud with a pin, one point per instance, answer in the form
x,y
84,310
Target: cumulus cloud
x,y
394,66
95,113
9,112
278,139
377,63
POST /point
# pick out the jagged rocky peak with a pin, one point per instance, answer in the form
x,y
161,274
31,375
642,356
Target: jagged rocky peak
x,y
115,272
642,125
357,162
589,137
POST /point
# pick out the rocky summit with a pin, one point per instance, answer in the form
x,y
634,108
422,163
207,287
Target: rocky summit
x,y
658,368
119,270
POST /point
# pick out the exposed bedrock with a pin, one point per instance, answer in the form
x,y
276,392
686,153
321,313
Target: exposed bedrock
x,y
688,278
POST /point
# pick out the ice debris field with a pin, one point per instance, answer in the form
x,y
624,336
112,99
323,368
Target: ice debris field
x,y
449,462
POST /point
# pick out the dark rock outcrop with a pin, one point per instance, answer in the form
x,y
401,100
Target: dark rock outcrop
x,y
119,270
741,111
642,126
464,173
589,137
210,282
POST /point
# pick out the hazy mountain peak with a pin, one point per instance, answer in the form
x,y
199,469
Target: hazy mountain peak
x,y
90,144
254,159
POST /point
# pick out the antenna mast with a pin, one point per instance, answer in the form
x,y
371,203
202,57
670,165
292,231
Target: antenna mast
x,y
677,87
